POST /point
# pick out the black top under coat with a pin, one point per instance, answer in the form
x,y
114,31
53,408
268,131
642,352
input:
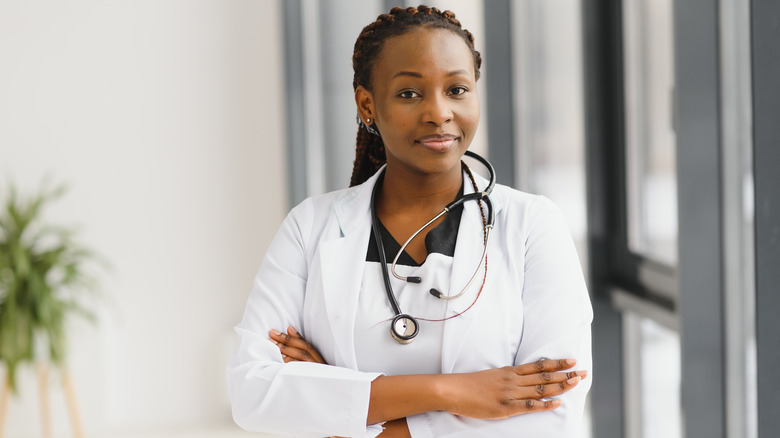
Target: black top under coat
x,y
441,239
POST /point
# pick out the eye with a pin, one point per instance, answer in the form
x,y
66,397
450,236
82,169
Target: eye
x,y
457,91
408,94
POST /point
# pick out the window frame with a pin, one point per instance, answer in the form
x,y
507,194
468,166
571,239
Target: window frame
x,y
765,106
623,281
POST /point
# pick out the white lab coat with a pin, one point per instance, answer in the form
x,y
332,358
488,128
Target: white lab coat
x,y
534,305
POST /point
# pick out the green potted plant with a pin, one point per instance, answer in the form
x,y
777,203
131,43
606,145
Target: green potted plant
x,y
43,277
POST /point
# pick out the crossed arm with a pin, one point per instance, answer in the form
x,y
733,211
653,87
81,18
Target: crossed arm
x,y
489,394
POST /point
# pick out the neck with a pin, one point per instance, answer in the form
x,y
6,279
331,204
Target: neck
x,y
403,190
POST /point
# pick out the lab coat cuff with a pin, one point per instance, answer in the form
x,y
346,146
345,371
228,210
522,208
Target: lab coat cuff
x,y
362,413
420,426
374,430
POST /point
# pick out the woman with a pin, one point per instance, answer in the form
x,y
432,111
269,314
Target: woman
x,y
500,351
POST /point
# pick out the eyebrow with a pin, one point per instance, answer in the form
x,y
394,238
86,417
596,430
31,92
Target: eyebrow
x,y
418,75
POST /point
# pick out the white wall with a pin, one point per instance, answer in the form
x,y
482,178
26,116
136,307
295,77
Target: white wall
x,y
165,118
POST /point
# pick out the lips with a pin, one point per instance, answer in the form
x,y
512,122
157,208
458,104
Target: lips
x,y
437,142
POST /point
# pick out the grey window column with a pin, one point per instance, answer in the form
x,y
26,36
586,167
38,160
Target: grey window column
x,y
500,83
604,114
765,30
319,38
701,297
390,4
338,32
296,135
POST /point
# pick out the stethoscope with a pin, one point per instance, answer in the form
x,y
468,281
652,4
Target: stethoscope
x,y
405,327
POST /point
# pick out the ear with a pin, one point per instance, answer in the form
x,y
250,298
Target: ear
x,y
365,104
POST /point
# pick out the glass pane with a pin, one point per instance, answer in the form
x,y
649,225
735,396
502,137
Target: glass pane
x,y
650,137
548,97
660,380
549,112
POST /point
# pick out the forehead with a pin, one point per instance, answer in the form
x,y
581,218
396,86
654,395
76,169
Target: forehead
x,y
423,50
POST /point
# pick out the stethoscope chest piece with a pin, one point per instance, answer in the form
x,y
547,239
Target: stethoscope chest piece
x,y
404,328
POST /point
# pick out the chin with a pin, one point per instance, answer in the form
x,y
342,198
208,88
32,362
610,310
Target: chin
x,y
444,164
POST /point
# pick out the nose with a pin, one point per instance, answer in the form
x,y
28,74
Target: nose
x,y
437,110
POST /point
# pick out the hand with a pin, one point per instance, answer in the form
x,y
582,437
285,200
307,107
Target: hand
x,y
509,391
294,348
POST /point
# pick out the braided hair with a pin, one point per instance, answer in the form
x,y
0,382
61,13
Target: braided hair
x,y
370,150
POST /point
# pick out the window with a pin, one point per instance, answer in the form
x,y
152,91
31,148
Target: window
x,y
650,138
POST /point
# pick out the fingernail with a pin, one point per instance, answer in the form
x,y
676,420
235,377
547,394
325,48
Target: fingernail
x,y
555,403
292,329
570,361
574,380
275,332
582,373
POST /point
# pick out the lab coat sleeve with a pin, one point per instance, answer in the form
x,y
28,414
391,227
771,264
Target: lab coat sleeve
x,y
557,314
294,399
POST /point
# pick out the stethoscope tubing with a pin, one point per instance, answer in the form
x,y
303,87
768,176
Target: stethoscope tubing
x,y
381,247
490,219
484,196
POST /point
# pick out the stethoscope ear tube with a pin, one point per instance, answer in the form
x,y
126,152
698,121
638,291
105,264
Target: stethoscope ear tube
x,y
491,218
380,246
492,183
483,195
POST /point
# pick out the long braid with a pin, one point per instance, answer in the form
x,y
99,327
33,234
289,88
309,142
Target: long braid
x,y
370,150
369,156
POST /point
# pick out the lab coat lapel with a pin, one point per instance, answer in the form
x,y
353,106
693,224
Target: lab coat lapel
x,y
342,259
468,250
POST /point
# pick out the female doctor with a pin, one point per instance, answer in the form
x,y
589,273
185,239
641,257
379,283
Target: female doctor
x,y
479,325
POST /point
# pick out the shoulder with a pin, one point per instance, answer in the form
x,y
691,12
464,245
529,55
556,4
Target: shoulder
x,y
526,218
332,202
337,208
320,204
519,205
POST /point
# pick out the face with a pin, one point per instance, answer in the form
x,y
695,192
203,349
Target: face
x,y
424,100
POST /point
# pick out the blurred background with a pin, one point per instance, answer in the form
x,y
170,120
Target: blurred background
x,y
186,130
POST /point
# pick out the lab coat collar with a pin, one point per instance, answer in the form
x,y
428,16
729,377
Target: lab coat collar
x,y
352,207
342,259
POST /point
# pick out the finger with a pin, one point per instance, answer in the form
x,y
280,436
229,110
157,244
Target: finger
x,y
297,353
294,333
300,344
582,373
295,346
287,338
546,377
277,336
531,405
300,349
543,365
549,390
